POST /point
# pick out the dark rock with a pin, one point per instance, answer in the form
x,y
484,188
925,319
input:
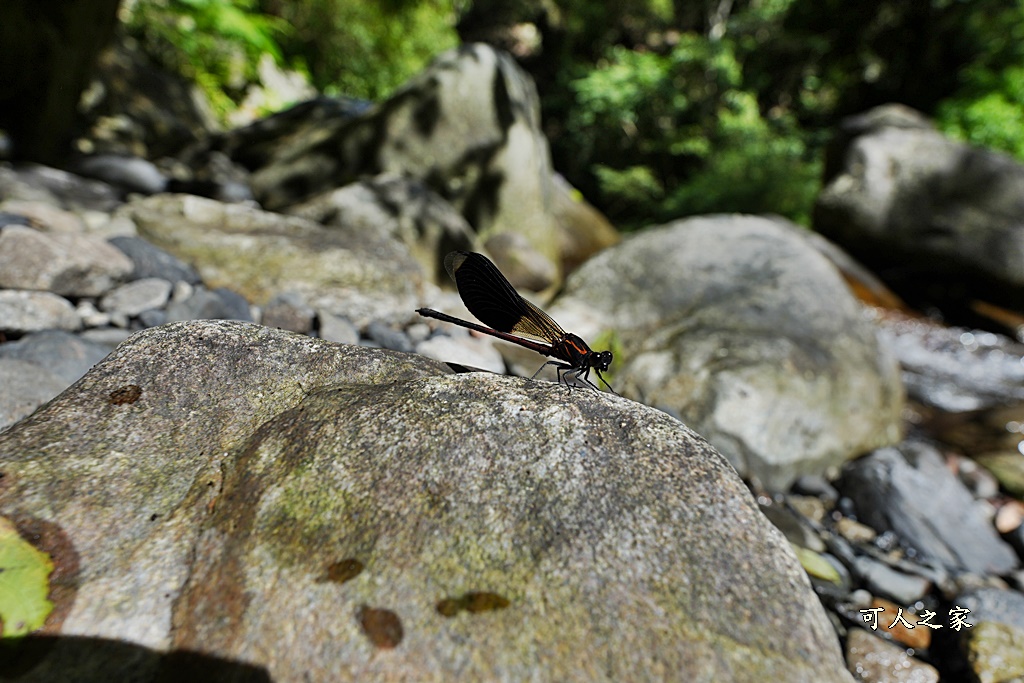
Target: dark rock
x,y
259,143
816,485
909,491
213,174
994,604
151,261
235,304
6,146
792,526
153,318
288,311
881,579
8,218
63,354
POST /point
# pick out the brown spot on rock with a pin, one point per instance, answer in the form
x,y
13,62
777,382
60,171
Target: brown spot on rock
x,y
344,570
129,393
473,602
484,602
448,607
381,626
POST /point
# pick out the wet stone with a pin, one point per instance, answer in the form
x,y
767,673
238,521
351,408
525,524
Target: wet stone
x,y
880,578
956,369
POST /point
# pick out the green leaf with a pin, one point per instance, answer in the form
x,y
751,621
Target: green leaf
x,y
24,584
817,566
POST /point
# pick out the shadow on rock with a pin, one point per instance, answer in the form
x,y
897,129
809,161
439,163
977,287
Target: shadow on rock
x,y
71,658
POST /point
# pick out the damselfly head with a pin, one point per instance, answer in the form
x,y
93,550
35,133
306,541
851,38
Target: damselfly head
x,y
601,360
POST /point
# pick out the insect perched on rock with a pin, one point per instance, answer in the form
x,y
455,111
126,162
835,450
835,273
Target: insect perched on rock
x,y
493,300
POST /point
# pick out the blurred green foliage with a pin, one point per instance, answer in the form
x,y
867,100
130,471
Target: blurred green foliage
x,y
216,43
359,49
669,109
988,107
676,133
655,109
365,49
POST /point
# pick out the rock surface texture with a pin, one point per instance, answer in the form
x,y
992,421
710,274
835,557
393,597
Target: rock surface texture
x,y
336,512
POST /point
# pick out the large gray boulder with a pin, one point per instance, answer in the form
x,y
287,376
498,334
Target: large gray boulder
x,y
470,123
468,127
938,214
322,512
343,269
397,207
740,327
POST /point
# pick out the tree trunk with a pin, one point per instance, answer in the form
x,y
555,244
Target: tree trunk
x,y
49,50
